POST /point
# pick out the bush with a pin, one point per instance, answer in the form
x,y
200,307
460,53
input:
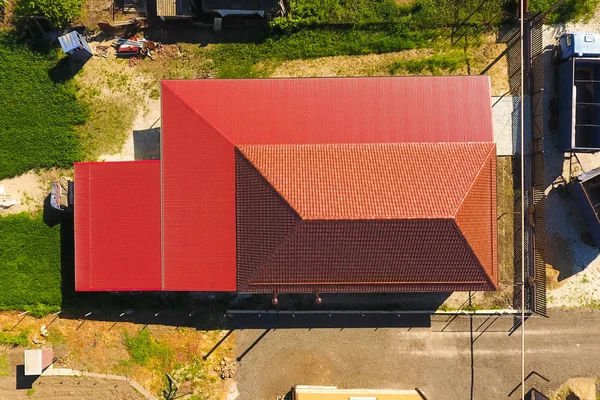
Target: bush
x,y
10,339
436,64
570,10
143,348
59,12
38,122
29,265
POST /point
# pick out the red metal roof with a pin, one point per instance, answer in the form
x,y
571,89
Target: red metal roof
x,y
371,181
198,206
342,110
203,187
117,226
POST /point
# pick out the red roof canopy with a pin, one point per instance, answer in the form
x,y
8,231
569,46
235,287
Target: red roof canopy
x,y
117,226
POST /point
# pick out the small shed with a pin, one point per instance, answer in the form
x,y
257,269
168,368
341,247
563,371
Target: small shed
x,y
36,361
580,104
586,194
75,45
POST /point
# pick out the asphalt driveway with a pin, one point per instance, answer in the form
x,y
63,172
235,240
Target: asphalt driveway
x,y
460,358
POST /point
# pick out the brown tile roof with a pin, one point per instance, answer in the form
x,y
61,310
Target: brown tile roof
x,y
355,218
371,181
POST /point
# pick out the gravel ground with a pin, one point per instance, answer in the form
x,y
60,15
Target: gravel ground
x,y
447,361
579,265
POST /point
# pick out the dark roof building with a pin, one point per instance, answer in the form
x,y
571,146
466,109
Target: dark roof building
x,y
302,185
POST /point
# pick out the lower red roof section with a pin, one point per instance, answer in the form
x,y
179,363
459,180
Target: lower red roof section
x,y
198,183
117,226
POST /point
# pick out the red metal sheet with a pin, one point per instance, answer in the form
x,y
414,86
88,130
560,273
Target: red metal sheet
x,y
198,183
117,226
343,110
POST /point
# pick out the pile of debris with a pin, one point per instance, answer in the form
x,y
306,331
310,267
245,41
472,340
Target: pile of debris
x,y
225,369
135,46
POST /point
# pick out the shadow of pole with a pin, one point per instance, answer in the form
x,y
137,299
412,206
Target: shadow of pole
x,y
216,346
262,335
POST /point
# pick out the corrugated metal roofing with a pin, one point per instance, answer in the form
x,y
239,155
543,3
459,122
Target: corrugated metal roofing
x,y
174,8
117,226
198,183
371,181
343,110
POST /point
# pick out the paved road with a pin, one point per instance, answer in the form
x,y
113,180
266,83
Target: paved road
x,y
448,361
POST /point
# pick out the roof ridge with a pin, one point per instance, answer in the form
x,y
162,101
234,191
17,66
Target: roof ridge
x,y
262,173
481,167
486,276
287,236
193,110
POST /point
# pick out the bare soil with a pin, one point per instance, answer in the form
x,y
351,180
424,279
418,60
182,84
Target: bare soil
x,y
30,189
99,346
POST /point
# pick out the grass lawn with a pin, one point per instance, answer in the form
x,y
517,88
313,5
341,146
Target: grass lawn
x,y
38,115
29,264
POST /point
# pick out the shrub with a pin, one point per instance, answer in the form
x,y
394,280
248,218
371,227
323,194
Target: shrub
x,y
570,10
29,265
38,122
59,12
143,348
10,339
435,64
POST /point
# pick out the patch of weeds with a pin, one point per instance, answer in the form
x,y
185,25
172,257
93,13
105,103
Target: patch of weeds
x,y
19,339
4,370
30,391
143,349
30,276
584,279
155,93
117,81
38,123
445,307
472,307
56,337
436,64
570,10
106,129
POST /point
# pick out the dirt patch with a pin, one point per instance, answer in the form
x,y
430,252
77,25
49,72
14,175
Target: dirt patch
x,y
300,366
98,346
367,65
30,189
577,388
379,64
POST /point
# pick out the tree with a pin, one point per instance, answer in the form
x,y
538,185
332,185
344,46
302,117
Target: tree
x,y
59,12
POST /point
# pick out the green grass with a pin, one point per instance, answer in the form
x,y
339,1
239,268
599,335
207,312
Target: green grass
x,y
11,339
144,349
436,64
4,370
30,276
570,10
38,115
321,28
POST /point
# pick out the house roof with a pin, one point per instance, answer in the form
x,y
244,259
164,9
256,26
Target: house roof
x,y
322,219
290,183
341,110
205,121
371,181
117,226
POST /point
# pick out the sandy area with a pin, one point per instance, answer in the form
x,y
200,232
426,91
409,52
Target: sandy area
x,y
579,265
30,189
